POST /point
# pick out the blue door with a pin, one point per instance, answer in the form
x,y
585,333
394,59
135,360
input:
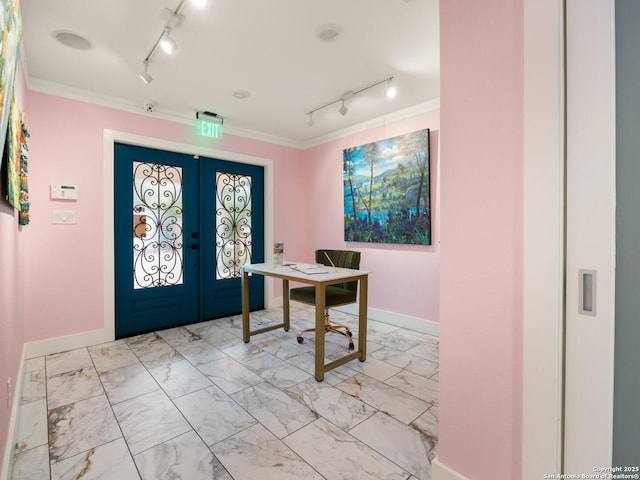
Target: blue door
x,y
183,228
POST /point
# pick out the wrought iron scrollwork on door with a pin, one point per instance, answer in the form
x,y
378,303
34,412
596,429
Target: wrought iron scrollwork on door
x,y
157,225
233,224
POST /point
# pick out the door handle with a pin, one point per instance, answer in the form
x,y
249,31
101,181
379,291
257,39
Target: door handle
x,y
587,292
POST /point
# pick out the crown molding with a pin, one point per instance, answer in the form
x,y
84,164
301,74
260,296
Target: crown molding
x,y
64,91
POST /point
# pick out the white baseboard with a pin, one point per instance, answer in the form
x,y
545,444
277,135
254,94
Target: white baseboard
x,y
67,342
442,472
397,319
7,463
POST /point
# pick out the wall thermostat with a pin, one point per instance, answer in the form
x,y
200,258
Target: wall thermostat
x,y
63,192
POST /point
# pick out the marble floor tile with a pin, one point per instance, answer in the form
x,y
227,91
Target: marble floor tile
x,y
402,339
375,368
138,342
182,458
406,361
232,325
198,328
230,375
213,334
337,455
34,386
178,336
213,414
32,464
416,385
336,406
277,371
339,374
179,378
72,386
427,351
284,347
111,461
274,409
242,352
255,453
155,352
384,397
108,356
306,362
401,444
32,425
67,361
128,382
149,420
200,352
80,426
427,423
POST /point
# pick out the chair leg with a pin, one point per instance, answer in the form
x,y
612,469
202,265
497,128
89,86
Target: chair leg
x,y
329,327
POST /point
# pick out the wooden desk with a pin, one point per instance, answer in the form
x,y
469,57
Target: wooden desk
x,y
321,277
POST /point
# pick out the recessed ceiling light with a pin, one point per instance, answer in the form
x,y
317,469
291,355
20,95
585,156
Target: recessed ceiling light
x,y
329,33
241,94
72,40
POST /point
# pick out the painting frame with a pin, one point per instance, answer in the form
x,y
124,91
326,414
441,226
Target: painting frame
x,y
387,190
11,30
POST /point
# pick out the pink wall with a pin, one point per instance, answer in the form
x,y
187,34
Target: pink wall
x,y
481,287
63,263
404,279
11,291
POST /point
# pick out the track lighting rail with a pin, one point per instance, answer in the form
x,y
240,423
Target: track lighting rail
x,y
351,93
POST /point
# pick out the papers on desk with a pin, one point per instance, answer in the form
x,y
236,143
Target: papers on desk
x,y
309,269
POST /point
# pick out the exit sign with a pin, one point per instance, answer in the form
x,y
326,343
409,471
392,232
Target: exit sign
x,y
209,129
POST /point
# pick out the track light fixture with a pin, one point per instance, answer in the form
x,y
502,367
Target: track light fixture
x,y
343,109
145,76
165,41
390,92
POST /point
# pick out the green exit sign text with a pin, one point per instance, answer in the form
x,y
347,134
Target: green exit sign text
x,y
209,129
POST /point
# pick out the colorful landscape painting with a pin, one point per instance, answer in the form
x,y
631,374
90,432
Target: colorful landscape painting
x,y
10,36
386,191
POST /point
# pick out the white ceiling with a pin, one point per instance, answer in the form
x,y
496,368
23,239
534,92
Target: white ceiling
x,y
269,48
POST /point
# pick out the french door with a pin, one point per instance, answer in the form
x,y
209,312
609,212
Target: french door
x,y
184,226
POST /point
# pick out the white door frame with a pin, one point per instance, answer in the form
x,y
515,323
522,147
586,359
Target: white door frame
x,y
591,187
544,231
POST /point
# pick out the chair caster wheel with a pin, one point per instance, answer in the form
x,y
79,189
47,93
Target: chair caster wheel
x,y
351,346
300,339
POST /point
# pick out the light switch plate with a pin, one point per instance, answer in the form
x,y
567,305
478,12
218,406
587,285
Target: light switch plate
x,y
64,217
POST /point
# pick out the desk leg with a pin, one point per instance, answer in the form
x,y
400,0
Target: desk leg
x,y
245,307
285,304
320,330
362,318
